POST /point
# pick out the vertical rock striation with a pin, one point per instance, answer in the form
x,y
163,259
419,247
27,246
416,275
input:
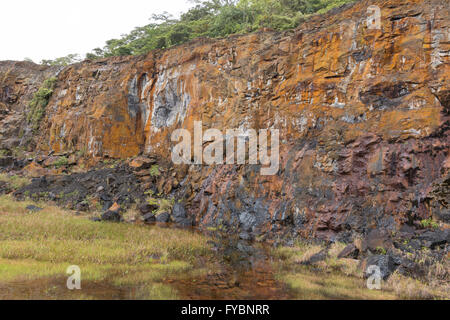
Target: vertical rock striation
x,y
363,116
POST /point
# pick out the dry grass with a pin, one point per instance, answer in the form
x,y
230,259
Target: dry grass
x,y
331,278
313,285
335,278
45,243
408,288
16,182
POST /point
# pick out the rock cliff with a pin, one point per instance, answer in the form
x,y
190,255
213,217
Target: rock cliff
x,y
363,115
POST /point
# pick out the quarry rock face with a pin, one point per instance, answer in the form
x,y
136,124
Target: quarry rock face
x,y
18,82
363,116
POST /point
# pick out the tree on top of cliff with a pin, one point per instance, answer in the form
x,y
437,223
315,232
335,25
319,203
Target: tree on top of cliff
x,y
214,18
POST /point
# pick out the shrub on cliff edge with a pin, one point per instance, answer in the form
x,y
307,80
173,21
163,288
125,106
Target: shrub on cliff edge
x,y
39,103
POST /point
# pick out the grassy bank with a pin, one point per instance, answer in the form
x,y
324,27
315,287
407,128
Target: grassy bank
x,y
334,278
132,261
41,245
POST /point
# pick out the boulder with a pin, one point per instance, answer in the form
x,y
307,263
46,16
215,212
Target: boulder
x,y
163,217
433,239
33,208
179,215
245,236
82,206
320,256
149,217
112,216
147,208
350,251
6,161
375,240
386,263
4,187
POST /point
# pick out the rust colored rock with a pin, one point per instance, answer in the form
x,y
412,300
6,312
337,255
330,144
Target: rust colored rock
x,y
115,207
34,170
142,163
363,117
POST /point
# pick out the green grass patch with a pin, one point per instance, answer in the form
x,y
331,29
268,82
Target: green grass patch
x,y
15,181
43,244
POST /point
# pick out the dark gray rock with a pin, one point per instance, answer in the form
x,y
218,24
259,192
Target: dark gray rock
x,y
107,205
163,217
180,217
386,263
245,236
112,216
350,251
6,161
433,239
33,208
147,208
4,187
149,217
320,256
247,221
82,206
178,211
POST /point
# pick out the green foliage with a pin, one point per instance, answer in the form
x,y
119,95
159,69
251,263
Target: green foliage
x,y
429,223
381,250
214,18
62,61
39,103
154,170
62,161
15,181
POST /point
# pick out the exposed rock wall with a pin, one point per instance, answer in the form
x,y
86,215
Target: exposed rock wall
x,y
18,82
363,116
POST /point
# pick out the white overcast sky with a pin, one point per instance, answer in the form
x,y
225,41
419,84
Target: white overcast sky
x,y
47,29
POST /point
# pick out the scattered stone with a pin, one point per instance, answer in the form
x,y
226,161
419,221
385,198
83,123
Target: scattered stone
x,y
95,219
147,208
375,240
179,215
149,217
433,239
33,208
82,206
386,263
112,216
245,236
320,256
4,187
163,217
6,162
350,251
140,163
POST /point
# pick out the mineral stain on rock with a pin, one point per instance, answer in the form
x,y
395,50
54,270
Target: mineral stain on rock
x,y
363,116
